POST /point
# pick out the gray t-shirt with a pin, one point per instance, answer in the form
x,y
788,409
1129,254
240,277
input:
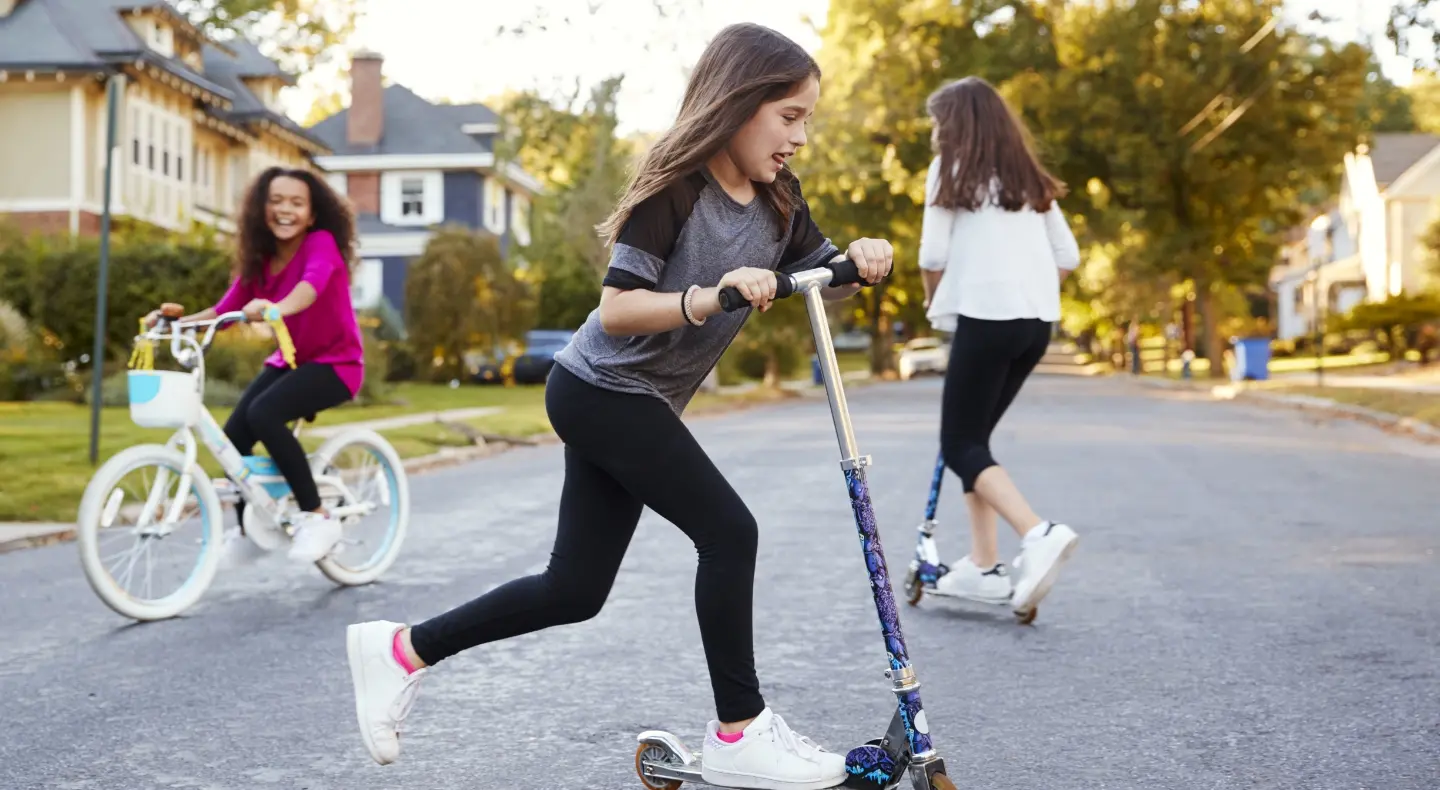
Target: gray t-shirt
x,y
693,232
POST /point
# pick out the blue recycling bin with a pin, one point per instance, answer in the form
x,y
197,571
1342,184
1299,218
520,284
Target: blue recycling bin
x,y
1252,358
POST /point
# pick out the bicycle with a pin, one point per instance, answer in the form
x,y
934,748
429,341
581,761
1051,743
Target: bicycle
x,y
174,399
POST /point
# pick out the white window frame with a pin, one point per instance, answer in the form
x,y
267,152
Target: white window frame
x,y
368,286
340,182
432,197
494,205
520,211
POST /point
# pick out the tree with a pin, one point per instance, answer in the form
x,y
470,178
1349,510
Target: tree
x,y
298,33
582,164
864,171
461,295
1209,132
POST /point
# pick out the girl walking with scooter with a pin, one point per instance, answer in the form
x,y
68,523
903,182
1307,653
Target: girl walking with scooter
x,y
712,206
993,249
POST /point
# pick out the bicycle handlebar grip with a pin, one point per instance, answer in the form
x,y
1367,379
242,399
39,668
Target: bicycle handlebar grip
x,y
731,300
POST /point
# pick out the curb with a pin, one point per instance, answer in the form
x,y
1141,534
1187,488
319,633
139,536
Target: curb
x,y
62,534
1390,423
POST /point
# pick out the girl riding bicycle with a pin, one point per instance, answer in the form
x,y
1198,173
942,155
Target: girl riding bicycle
x,y
294,251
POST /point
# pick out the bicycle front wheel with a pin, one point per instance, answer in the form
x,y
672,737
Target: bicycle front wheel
x,y
149,534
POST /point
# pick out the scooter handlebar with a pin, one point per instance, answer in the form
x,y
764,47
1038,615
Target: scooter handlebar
x,y
842,272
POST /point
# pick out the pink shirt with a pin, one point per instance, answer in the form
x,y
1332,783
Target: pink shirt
x,y
326,331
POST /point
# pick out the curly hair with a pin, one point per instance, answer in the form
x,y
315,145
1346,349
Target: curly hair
x,y
255,245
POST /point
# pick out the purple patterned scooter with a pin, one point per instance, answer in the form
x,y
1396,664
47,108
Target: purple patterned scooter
x,y
664,762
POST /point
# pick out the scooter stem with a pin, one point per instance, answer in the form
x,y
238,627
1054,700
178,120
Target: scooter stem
x,y
905,685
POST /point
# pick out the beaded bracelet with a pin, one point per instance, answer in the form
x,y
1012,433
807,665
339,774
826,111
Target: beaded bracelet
x,y
687,302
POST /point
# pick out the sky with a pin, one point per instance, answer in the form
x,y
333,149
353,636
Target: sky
x,y
449,49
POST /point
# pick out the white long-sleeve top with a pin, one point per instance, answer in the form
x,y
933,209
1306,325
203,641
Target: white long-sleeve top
x,y
998,264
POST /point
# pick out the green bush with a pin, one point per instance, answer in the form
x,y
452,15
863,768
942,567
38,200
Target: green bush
x,y
52,281
29,364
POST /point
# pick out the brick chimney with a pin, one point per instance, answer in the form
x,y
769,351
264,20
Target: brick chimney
x,y
365,124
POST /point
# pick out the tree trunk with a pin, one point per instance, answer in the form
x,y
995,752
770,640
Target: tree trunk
x,y
772,370
1210,314
881,360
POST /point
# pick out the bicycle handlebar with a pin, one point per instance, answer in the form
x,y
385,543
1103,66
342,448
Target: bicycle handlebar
x,y
843,272
177,328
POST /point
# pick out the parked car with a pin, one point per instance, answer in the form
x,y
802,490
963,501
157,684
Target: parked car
x,y
923,355
541,346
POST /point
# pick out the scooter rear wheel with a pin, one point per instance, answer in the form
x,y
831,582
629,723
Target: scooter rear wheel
x,y
655,754
1029,617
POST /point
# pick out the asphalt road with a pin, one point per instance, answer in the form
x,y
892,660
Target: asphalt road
x,y
1253,605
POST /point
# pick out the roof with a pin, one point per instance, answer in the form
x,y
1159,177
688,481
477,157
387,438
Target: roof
x,y
1392,153
413,125
93,35
85,34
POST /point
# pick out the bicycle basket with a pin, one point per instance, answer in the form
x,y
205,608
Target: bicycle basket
x,y
163,398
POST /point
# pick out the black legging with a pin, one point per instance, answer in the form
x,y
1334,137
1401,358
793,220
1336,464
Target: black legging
x,y
278,396
989,361
624,452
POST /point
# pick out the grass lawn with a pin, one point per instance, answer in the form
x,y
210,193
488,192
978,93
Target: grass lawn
x,y
44,447
1421,406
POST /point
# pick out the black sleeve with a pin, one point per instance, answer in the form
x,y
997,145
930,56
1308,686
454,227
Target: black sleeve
x,y
808,247
648,236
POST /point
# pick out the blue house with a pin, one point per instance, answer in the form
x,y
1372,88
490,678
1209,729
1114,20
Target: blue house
x,y
409,165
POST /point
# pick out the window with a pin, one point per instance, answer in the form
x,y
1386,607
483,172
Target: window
x,y
135,137
165,149
150,143
494,206
412,197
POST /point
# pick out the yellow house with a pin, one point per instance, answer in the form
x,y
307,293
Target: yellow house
x,y
197,118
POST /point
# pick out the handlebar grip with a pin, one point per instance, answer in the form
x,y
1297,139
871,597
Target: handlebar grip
x,y
731,300
844,272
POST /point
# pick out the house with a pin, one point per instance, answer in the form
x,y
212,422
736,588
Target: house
x,y
1365,245
410,165
196,117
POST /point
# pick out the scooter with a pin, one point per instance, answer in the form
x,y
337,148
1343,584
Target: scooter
x,y
926,569
664,762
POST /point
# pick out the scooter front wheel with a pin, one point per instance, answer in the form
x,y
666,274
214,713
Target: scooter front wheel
x,y
941,782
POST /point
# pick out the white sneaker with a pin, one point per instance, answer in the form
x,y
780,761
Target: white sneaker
x,y
315,536
968,580
384,692
237,551
769,756
1043,550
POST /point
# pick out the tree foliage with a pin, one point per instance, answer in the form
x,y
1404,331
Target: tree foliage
x,y
573,149
1189,133
461,295
298,33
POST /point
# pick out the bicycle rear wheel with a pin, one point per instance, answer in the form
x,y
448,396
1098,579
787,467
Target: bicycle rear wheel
x,y
361,476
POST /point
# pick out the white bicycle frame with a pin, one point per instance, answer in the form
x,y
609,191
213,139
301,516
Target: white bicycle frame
x,y
187,350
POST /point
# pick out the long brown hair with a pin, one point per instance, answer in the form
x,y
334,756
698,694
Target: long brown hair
x,y
980,140
743,67
255,244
